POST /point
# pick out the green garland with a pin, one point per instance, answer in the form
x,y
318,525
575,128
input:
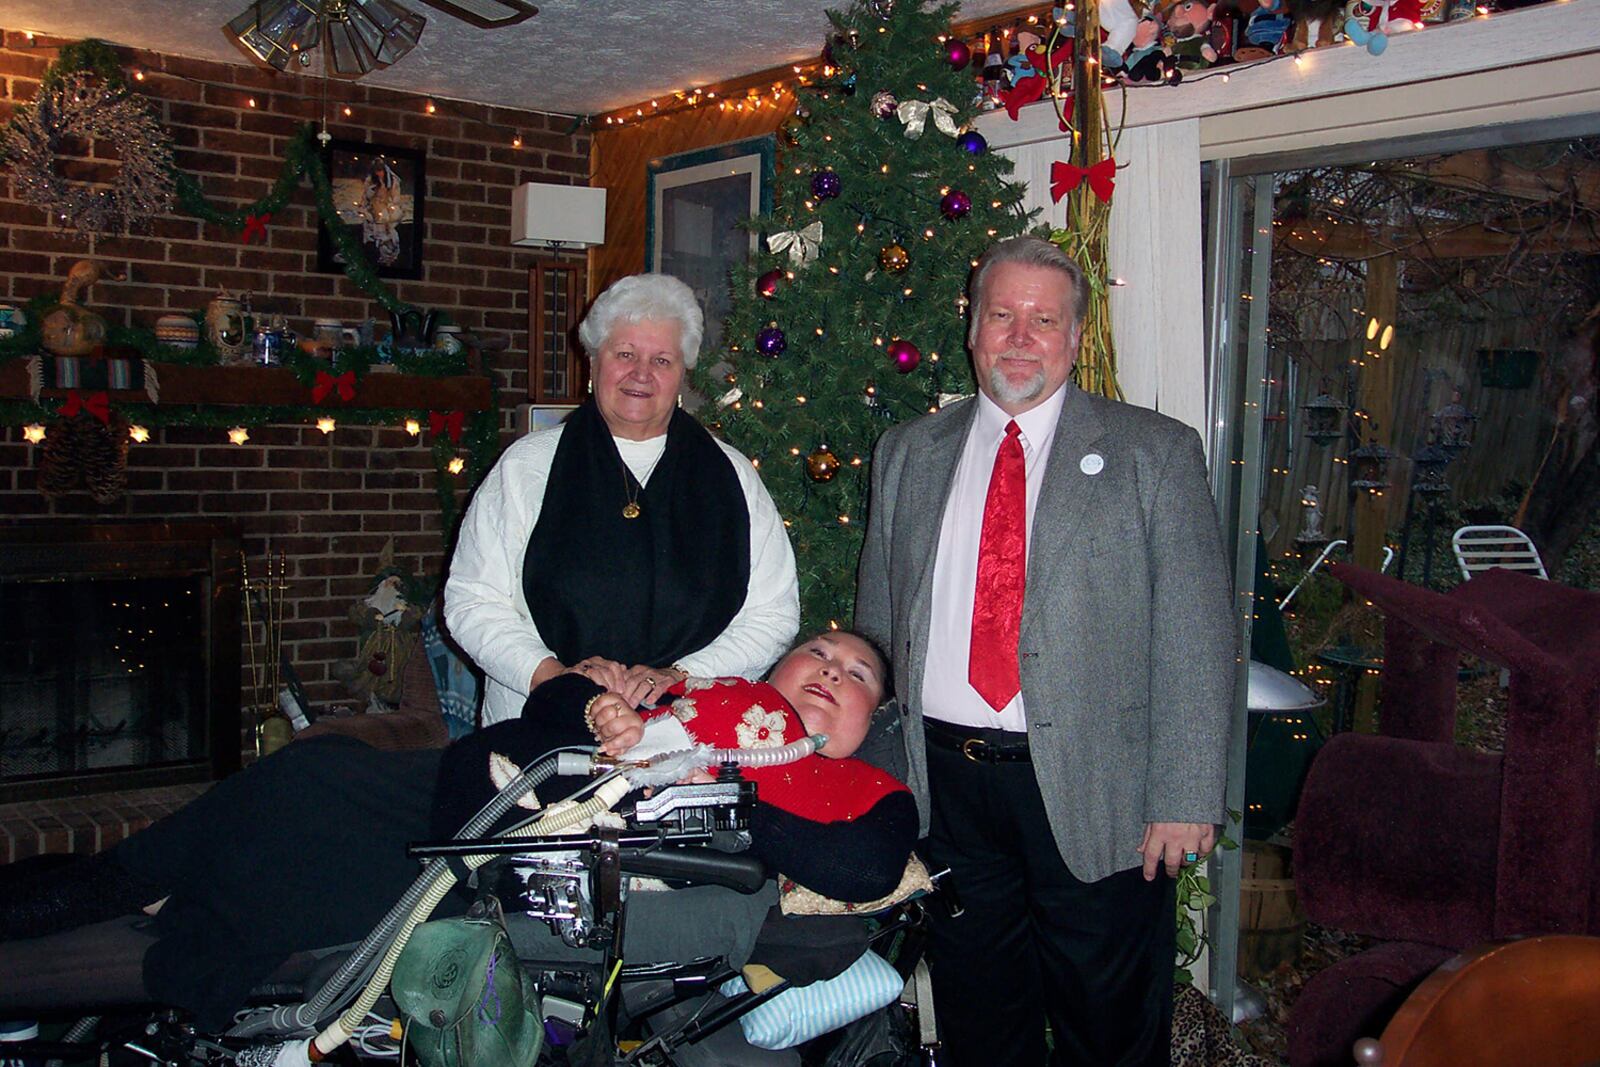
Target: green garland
x,y
302,158
480,438
88,56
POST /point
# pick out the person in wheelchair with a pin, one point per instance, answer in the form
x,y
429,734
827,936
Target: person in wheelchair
x,y
834,824
836,831
831,823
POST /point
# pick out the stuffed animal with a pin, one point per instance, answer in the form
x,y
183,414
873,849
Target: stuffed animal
x,y
1188,33
1119,21
1383,18
1394,16
1021,65
388,619
1147,60
1316,24
1265,30
1227,29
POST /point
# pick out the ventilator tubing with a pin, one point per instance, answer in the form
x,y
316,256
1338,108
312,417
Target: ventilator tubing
x,y
302,1017
776,756
606,795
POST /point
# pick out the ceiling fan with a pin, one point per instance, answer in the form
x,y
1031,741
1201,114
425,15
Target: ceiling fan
x,y
356,36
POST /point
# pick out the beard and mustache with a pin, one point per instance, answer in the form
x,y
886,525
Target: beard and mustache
x,y
1008,391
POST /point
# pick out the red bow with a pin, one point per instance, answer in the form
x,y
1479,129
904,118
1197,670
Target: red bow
x,y
1064,177
96,404
326,383
1025,91
255,226
447,422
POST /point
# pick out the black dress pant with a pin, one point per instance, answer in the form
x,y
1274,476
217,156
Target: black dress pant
x,y
1035,943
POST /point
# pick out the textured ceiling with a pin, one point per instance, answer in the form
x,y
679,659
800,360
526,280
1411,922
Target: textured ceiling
x,y
574,57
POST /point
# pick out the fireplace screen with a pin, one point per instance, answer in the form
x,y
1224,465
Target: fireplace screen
x,y
118,659
101,674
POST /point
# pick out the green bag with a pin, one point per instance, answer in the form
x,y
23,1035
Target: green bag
x,y
464,997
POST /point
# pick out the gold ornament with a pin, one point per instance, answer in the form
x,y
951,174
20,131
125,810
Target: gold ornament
x,y
822,465
894,258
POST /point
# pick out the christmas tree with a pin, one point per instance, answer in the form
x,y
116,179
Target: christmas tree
x,y
852,317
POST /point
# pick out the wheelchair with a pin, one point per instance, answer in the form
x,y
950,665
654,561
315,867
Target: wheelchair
x,y
622,973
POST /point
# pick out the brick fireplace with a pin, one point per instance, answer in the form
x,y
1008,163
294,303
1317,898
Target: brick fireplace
x,y
330,503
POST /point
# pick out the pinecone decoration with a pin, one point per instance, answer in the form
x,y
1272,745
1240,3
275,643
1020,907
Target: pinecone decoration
x,y
105,459
61,458
84,454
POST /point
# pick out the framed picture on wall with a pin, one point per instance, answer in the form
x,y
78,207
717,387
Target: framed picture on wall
x,y
695,202
378,192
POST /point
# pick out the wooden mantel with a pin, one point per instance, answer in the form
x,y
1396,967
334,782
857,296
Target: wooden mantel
x,y
244,386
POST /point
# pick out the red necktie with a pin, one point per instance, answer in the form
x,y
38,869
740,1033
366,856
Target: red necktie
x,y
1002,575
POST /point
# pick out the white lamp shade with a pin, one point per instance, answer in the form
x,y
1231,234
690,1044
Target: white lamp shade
x,y
544,215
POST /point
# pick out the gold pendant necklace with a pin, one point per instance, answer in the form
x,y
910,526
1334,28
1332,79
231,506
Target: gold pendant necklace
x,y
630,509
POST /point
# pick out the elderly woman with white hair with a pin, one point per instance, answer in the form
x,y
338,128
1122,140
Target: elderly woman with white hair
x,y
626,544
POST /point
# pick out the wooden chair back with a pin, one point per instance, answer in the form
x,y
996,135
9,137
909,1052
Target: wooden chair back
x,y
1533,1001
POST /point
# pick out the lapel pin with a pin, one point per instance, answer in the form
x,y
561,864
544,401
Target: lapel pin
x,y
1093,463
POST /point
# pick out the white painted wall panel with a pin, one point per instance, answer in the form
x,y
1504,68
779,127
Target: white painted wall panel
x,y
1156,248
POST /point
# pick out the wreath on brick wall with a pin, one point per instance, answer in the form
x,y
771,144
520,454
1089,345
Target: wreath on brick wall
x,y
80,100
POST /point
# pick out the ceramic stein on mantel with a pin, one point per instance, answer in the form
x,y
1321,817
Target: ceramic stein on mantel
x,y
225,328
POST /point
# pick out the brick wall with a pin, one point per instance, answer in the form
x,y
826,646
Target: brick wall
x,y
330,502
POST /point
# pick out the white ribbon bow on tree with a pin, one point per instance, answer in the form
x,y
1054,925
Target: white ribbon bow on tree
x,y
804,245
914,113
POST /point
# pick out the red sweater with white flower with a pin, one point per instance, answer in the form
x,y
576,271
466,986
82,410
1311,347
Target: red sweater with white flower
x,y
840,827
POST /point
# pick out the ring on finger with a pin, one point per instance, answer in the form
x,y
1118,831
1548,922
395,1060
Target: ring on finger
x,y
1191,857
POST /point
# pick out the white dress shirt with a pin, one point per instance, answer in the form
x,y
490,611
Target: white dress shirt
x,y
487,613
946,693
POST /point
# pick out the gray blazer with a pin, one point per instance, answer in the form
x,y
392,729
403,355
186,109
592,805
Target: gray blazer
x,y
1128,637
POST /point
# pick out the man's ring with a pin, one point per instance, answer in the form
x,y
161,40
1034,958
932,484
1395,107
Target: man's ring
x,y
651,682
1191,857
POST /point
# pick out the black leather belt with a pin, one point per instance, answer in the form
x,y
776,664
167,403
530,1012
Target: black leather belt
x,y
977,744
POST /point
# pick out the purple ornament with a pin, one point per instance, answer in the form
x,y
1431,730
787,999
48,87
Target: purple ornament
x,y
955,204
771,342
884,105
904,355
972,143
825,185
957,52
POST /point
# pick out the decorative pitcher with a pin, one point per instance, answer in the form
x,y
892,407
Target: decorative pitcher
x,y
413,330
225,327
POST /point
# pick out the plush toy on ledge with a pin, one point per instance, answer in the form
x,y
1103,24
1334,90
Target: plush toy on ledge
x,y
389,618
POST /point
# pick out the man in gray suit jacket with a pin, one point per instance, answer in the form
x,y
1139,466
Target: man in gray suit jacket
x,y
1045,570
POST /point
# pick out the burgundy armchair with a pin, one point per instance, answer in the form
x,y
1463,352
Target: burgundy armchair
x,y
1404,836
